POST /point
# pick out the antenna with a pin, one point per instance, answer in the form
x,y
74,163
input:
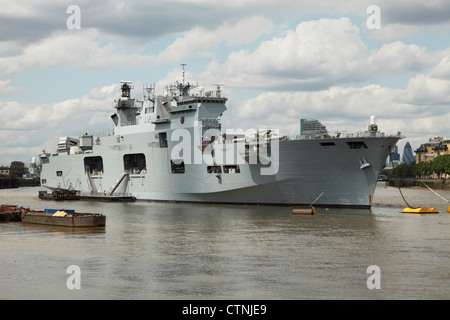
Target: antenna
x,y
183,64
149,89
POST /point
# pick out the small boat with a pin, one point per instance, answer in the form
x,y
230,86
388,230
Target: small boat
x,y
420,210
10,212
64,218
59,195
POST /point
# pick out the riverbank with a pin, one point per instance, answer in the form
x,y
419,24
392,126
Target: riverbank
x,y
11,183
414,182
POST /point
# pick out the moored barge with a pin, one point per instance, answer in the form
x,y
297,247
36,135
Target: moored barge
x,y
64,218
10,212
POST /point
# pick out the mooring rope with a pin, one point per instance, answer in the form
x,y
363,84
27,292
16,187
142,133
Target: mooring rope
x,y
435,192
317,199
399,189
404,198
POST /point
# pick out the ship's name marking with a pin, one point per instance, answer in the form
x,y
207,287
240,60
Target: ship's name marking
x,y
121,147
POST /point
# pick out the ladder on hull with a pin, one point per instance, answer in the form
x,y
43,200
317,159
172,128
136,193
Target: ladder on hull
x,y
118,182
91,183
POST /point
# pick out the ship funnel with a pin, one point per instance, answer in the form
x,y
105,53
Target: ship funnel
x,y
372,119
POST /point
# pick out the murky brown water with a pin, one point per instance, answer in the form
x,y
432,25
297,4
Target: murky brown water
x,y
186,251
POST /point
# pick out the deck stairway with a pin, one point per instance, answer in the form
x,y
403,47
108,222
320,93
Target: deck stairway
x,y
118,182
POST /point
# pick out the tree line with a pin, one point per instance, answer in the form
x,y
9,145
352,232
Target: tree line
x,y
439,166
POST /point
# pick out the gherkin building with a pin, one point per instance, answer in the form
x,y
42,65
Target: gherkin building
x,y
408,156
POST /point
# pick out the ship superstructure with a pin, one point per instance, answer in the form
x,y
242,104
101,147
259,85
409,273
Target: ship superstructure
x,y
171,147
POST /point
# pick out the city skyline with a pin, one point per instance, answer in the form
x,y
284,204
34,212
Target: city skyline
x,y
61,64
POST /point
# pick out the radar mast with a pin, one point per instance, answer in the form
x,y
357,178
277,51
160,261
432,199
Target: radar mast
x,y
126,88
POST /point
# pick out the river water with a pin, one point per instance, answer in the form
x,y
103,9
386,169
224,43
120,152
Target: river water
x,y
190,251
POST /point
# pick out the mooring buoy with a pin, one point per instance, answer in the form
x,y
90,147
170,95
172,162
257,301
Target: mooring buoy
x,y
304,210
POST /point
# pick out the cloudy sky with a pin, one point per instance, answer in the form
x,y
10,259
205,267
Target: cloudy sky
x,y
279,61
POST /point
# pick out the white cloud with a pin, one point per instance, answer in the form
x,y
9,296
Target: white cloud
x,y
315,48
103,93
316,55
330,104
69,114
393,31
91,49
10,48
5,89
16,8
75,48
199,40
442,69
27,129
397,57
347,108
425,90
14,137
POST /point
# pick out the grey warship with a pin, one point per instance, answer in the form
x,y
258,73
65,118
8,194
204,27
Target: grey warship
x,y
172,147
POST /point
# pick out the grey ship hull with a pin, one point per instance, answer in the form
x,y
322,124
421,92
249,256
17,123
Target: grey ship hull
x,y
326,172
310,174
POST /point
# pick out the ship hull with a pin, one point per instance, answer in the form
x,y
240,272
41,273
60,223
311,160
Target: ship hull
x,y
335,172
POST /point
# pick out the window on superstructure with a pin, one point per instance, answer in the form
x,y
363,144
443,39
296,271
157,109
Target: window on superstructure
x,y
135,163
177,165
214,169
231,169
163,140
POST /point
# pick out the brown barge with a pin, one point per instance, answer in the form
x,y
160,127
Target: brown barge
x,y
52,217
